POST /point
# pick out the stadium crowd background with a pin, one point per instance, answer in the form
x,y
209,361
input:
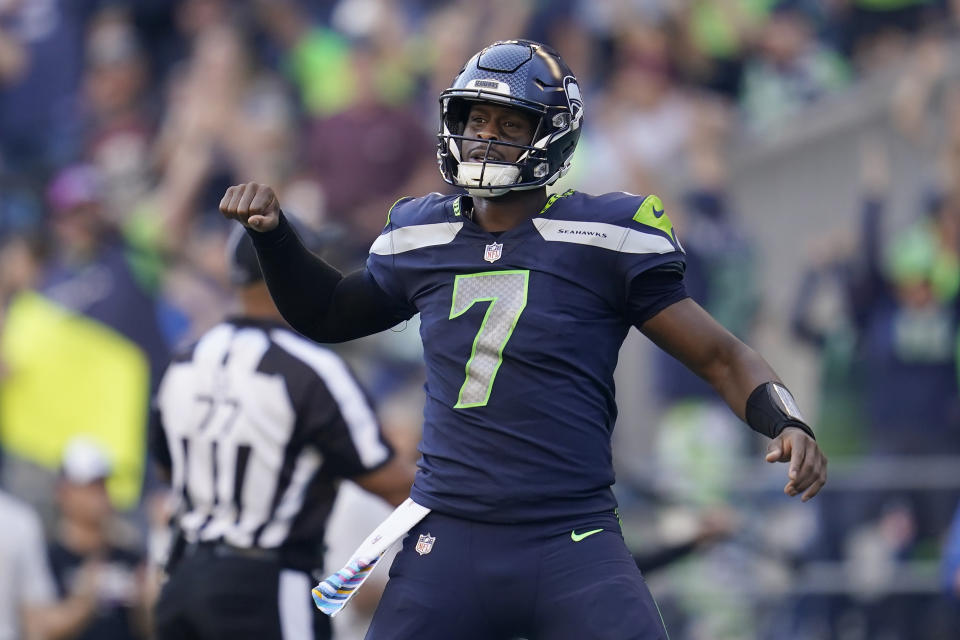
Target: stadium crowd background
x,y
809,155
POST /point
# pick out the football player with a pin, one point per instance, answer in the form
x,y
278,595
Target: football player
x,y
524,301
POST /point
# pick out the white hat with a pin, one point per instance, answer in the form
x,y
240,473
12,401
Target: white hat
x,y
84,461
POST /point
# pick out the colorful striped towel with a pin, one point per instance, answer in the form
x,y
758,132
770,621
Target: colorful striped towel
x,y
331,594
334,591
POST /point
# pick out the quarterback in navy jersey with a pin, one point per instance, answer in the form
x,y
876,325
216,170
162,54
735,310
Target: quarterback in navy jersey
x,y
521,331
524,302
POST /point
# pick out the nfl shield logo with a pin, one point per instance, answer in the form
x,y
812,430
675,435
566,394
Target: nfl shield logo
x,y
493,251
425,544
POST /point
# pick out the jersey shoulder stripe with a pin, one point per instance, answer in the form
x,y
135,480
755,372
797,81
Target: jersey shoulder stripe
x,y
602,235
416,223
610,221
415,237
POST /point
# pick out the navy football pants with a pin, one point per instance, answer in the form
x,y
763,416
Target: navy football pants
x,y
500,582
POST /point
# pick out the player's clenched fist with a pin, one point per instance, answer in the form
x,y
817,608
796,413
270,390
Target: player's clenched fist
x,y
253,205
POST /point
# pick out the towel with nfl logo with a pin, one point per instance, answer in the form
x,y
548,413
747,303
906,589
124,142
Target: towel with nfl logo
x,y
333,593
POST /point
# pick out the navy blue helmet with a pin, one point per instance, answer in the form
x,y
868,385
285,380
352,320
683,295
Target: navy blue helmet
x,y
524,75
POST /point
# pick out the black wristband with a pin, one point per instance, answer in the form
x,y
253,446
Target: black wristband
x,y
771,409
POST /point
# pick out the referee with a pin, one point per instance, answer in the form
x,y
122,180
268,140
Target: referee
x,y
254,425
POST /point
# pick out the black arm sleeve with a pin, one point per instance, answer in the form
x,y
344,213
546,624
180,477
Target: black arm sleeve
x,y
316,299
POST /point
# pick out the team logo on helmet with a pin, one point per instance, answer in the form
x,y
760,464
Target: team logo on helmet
x,y
425,544
572,89
493,252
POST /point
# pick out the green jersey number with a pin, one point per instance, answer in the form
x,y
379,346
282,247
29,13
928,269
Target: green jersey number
x,y
506,293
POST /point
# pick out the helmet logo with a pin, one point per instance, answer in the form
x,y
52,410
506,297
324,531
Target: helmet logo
x,y
492,252
574,100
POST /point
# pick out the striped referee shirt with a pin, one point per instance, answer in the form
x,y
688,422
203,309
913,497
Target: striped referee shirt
x,y
255,425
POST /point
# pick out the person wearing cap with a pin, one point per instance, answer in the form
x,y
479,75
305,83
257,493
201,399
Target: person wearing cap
x,y
254,475
96,560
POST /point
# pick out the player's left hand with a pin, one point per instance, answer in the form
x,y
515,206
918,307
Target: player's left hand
x,y
808,466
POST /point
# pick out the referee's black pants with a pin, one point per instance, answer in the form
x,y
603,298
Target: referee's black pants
x,y
216,595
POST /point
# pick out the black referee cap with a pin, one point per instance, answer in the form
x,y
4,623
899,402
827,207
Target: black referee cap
x,y
242,257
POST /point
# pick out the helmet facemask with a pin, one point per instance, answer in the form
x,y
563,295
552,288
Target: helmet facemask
x,y
517,74
490,176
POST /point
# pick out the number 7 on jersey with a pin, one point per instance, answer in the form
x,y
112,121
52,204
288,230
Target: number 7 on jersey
x,y
506,291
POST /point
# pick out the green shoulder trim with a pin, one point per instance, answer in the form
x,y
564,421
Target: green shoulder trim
x,y
651,214
553,199
390,210
456,206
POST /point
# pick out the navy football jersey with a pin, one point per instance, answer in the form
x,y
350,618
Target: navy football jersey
x,y
521,332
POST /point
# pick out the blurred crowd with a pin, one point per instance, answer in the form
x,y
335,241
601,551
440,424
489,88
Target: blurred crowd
x,y
122,123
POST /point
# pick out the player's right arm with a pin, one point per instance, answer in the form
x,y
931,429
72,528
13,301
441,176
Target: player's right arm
x,y
741,377
315,298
